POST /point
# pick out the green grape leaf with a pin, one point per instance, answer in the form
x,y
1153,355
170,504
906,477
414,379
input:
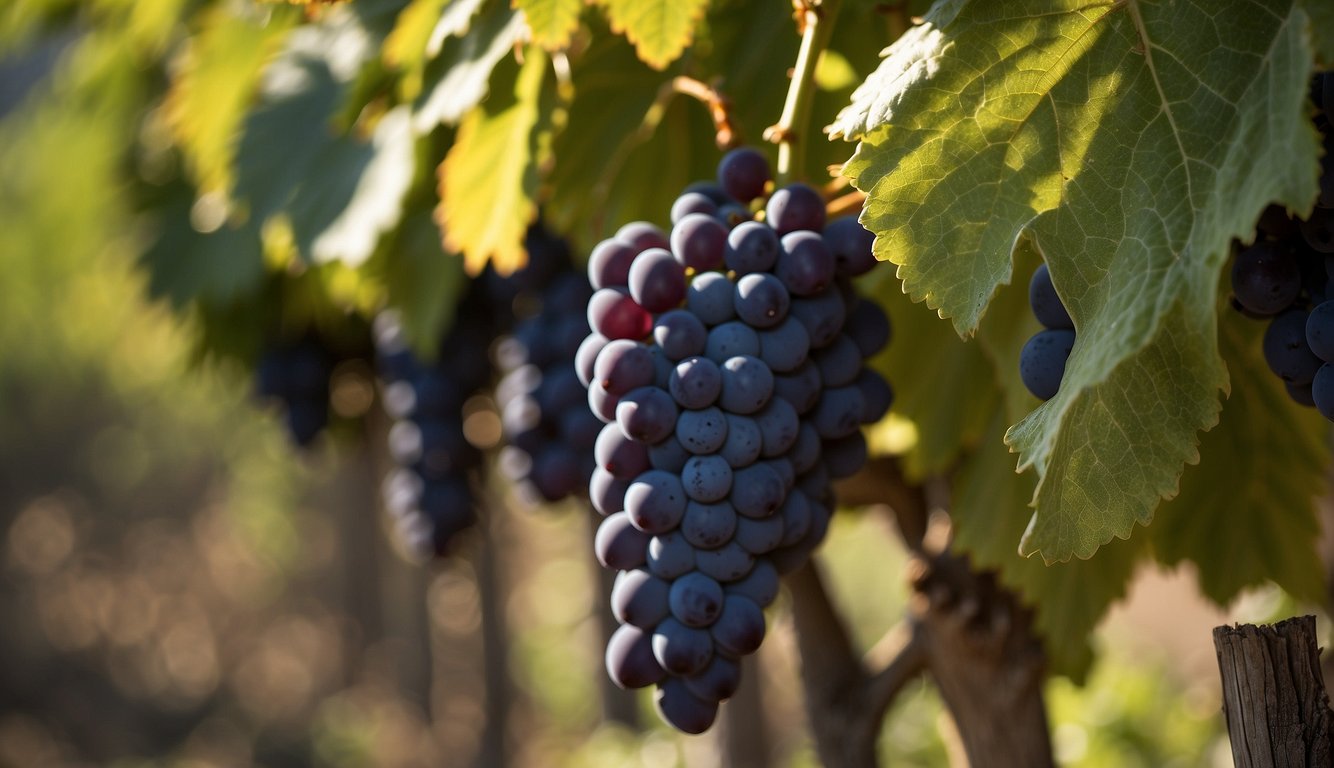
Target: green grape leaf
x,y
456,77
619,135
488,182
213,86
1132,142
354,192
191,260
989,512
551,22
1247,512
659,29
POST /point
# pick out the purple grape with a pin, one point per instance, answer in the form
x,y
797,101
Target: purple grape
x,y
587,355
709,298
615,315
642,236
621,366
1047,306
1286,350
629,658
606,491
739,629
620,545
639,598
717,682
685,711
680,334
655,501
751,247
868,327
744,441
648,414
748,384
670,555
1265,279
729,340
760,300
692,202
609,264
850,243
726,563
698,241
707,478
805,265
1042,361
703,431
619,455
695,382
657,281
695,599
785,347
760,586
796,207
743,173
708,526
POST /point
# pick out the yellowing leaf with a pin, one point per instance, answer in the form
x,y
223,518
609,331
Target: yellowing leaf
x,y
660,29
489,178
213,86
551,22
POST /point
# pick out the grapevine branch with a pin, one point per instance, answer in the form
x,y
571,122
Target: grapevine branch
x,y
816,21
726,134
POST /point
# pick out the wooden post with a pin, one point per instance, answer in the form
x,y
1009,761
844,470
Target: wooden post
x,y
1274,695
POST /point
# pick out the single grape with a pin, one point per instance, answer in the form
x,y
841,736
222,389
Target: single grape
x,y
1286,350
629,658
703,431
668,455
655,501
619,455
743,173
620,545
778,423
1047,306
1265,278
639,598
760,300
615,315
822,314
681,650
748,384
709,526
796,207
606,492
757,490
868,327
846,456
840,362
839,412
623,365
706,478
709,298
698,241
804,264
648,414
739,629
744,441
657,280
877,395
801,387
1042,361
751,247
680,334
695,383
609,264
695,599
670,555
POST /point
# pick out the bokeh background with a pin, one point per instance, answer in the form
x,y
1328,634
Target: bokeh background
x,y
180,586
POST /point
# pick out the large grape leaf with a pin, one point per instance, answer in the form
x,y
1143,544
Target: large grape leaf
x,y
469,49
659,29
1132,141
1322,29
488,182
1247,512
989,512
551,22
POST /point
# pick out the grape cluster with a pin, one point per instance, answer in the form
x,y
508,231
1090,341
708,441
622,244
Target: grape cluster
x,y
726,361
548,430
1042,360
1285,277
297,375
429,494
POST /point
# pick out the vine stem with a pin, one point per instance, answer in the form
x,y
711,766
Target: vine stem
x,y
817,20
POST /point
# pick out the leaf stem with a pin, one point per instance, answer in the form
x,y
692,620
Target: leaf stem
x,y
817,21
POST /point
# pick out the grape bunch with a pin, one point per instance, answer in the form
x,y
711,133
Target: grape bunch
x,y
1042,360
726,362
1285,277
548,430
297,375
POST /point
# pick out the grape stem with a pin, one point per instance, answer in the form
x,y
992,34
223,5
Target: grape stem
x,y
816,20
720,108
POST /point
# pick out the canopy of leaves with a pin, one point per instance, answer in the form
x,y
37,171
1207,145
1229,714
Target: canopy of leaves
x,y
1132,141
